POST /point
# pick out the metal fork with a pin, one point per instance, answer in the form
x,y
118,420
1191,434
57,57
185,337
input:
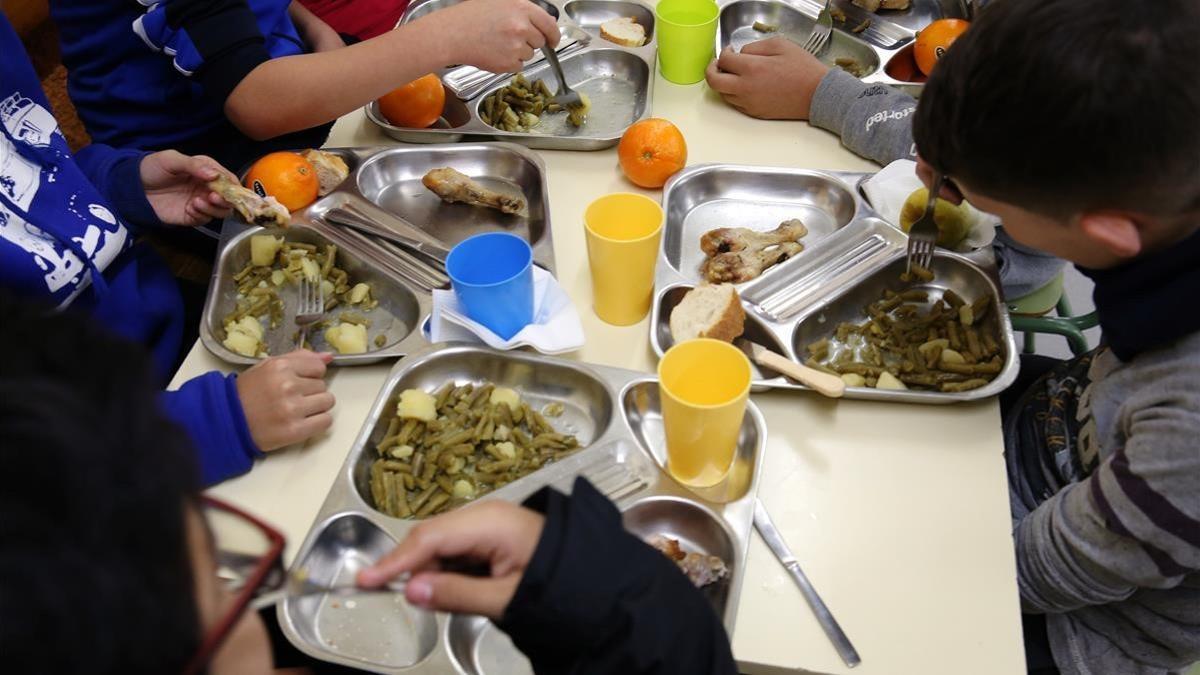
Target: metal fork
x,y
922,236
819,37
309,309
566,97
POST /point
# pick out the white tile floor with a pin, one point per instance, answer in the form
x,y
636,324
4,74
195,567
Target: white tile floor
x,y
1079,293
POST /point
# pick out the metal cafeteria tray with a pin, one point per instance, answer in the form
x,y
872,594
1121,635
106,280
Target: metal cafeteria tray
x,y
884,48
618,80
851,255
616,416
385,183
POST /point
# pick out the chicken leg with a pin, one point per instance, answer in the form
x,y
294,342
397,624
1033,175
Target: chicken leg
x,y
727,239
738,266
453,186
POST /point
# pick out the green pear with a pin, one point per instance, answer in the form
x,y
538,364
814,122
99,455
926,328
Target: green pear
x,y
953,221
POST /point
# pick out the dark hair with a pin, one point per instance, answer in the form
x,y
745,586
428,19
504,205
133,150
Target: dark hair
x,y
96,575
1069,105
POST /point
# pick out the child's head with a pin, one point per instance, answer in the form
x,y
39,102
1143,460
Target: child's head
x,y
1076,121
107,566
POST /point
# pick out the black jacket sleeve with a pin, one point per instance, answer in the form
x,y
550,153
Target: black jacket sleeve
x,y
226,35
596,599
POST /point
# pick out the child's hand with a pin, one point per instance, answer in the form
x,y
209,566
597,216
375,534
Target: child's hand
x,y
285,399
500,534
177,187
771,79
495,35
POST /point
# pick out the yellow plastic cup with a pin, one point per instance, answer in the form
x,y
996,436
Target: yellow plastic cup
x,y
703,385
687,31
623,231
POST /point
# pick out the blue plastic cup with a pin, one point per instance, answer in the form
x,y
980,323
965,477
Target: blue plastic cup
x,y
492,277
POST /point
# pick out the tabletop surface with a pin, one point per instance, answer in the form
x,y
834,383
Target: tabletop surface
x,y
898,513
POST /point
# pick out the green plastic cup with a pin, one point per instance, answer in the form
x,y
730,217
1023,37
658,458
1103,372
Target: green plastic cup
x,y
687,30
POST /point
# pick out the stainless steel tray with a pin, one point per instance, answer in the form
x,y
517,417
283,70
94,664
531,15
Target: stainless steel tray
x,y
882,48
616,416
851,255
618,80
385,184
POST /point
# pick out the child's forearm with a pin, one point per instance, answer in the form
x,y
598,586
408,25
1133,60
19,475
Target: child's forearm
x,y
298,92
318,34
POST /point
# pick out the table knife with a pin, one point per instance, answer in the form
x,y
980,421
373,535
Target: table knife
x,y
766,528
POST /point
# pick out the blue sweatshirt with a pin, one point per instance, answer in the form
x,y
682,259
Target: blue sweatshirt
x,y
155,75
67,229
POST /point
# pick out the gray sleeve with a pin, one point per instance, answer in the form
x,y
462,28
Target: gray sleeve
x,y
1023,270
1135,521
872,120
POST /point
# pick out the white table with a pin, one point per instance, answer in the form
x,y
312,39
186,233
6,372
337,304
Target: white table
x,y
898,513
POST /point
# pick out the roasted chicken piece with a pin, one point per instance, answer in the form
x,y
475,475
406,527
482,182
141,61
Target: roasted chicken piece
x,y
737,254
453,186
876,5
255,209
701,569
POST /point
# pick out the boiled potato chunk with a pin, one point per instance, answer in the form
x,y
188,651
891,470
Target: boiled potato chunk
x,y
359,293
507,449
418,405
951,356
953,220
263,248
347,338
463,489
244,336
854,380
506,396
889,381
310,269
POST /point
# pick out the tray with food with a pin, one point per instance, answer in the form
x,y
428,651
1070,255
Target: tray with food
x,y
872,40
374,240
455,424
823,288
608,55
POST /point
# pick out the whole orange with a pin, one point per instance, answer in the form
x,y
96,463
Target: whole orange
x,y
417,104
651,151
935,39
285,176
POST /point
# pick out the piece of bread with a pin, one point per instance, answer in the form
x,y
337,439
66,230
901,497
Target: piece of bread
x,y
331,169
625,31
709,311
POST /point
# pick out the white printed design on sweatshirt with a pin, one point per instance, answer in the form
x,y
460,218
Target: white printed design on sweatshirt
x,y
103,237
888,115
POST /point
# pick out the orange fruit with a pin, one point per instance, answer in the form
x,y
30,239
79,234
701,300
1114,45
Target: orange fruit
x,y
285,176
651,151
417,104
935,39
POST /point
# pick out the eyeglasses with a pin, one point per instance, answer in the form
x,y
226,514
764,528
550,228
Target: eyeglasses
x,y
249,557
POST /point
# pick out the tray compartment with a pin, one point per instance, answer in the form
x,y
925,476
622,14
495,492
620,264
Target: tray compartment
x,y
478,647
711,196
376,629
589,14
391,180
395,318
587,404
642,409
736,30
951,272
755,330
697,529
616,82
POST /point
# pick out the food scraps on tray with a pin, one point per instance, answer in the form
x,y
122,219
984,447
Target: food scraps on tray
x,y
276,264
444,449
519,106
701,569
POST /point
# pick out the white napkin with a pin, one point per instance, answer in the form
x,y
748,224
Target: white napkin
x,y
555,328
887,190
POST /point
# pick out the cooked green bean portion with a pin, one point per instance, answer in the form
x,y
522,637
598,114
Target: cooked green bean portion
x,y
443,449
519,105
258,286
944,344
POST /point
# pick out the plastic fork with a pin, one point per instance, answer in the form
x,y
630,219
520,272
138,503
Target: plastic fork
x,y
819,37
310,309
566,97
922,236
